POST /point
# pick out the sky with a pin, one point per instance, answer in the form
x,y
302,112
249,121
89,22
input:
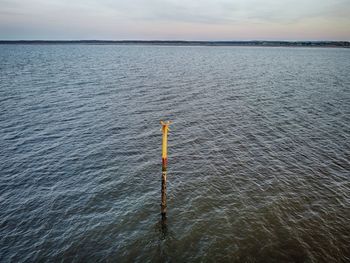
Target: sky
x,y
175,19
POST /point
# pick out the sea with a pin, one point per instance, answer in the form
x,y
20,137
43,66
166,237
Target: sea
x,y
258,153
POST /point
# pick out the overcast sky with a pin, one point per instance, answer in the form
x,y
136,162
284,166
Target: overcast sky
x,y
175,19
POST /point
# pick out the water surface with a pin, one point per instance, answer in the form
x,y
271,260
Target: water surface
x,y
259,153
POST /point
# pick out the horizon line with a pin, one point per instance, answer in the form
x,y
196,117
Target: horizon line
x,y
173,40
244,43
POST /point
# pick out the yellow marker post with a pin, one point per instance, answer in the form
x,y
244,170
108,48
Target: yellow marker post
x,y
165,129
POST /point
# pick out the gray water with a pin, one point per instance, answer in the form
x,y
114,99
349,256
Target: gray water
x,y
259,154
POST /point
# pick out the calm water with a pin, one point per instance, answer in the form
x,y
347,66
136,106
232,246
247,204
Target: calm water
x,y
259,154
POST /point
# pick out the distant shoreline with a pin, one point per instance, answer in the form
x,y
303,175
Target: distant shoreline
x,y
343,44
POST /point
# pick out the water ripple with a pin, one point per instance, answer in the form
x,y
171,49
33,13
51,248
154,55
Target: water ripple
x,y
259,154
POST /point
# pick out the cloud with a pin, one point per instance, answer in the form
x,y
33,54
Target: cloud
x,y
110,17
226,11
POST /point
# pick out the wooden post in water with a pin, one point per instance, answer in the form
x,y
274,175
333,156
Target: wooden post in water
x,y
165,129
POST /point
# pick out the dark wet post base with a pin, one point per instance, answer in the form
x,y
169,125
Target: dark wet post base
x,y
163,203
